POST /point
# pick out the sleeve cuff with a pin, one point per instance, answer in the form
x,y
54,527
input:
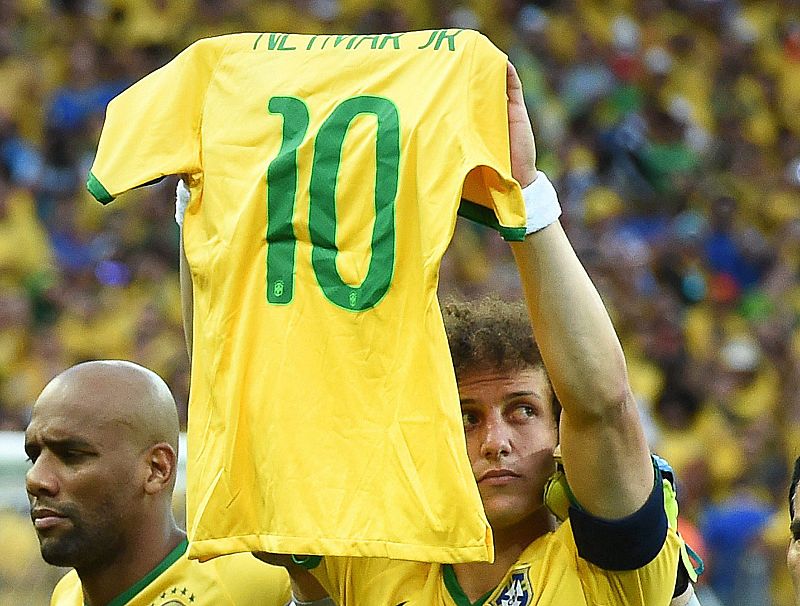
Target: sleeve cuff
x,y
97,190
625,544
480,214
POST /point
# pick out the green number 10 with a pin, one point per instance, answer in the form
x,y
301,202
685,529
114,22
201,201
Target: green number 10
x,y
282,175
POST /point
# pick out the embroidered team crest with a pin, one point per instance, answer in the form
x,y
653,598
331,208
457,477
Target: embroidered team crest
x,y
517,592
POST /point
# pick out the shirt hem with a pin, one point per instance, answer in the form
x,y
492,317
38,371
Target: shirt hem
x,y
480,214
97,190
207,549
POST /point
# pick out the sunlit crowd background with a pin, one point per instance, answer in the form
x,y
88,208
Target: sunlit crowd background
x,y
670,127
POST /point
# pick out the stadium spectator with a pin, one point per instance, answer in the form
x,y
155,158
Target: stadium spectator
x,y
103,442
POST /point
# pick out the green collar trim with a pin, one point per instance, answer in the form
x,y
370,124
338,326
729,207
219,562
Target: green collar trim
x,y
454,588
98,190
172,557
484,216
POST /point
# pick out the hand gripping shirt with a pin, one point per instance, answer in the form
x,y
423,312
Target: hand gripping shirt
x,y
585,562
237,580
326,173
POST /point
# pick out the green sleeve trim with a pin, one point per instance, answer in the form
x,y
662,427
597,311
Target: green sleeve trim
x,y
454,588
168,561
484,216
96,188
307,562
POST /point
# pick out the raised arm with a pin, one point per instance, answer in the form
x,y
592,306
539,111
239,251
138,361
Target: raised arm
x,y
605,454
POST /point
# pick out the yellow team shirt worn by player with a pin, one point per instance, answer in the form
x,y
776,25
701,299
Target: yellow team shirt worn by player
x,y
236,580
560,568
548,573
326,173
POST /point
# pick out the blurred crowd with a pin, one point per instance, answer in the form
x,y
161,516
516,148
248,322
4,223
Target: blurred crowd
x,y
672,131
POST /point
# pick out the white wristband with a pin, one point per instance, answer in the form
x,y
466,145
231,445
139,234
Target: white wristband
x,y
541,203
182,198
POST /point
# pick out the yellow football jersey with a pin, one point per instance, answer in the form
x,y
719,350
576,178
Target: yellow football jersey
x,y
326,173
178,581
550,572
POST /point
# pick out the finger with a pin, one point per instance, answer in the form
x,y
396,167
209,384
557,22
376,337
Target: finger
x,y
517,112
513,83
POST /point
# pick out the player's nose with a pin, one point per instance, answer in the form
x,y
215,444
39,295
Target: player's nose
x,y
496,441
41,480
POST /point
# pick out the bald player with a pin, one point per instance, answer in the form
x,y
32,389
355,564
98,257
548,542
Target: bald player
x,y
103,443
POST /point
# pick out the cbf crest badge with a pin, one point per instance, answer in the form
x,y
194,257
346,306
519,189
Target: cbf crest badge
x,y
516,592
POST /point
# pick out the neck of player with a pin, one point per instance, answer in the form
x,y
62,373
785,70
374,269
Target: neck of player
x,y
141,554
478,578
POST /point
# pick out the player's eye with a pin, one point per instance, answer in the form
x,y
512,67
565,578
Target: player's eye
x,y
522,412
70,456
470,419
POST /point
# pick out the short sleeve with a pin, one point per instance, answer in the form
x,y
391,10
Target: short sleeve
x,y
153,128
491,195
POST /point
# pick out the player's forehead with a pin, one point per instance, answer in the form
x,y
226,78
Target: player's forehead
x,y
65,414
53,423
502,376
499,385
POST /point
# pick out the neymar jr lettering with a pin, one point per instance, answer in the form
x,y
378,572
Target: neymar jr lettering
x,y
440,39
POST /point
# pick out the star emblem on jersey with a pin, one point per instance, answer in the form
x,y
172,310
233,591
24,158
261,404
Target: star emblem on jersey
x,y
177,596
516,592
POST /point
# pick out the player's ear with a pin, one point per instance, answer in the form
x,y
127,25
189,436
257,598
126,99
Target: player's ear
x,y
162,466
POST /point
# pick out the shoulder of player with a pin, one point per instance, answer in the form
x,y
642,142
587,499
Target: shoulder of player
x,y
68,591
549,545
378,580
210,50
562,541
225,40
239,567
398,572
243,579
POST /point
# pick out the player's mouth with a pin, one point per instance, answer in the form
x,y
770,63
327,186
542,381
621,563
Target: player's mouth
x,y
45,518
497,477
